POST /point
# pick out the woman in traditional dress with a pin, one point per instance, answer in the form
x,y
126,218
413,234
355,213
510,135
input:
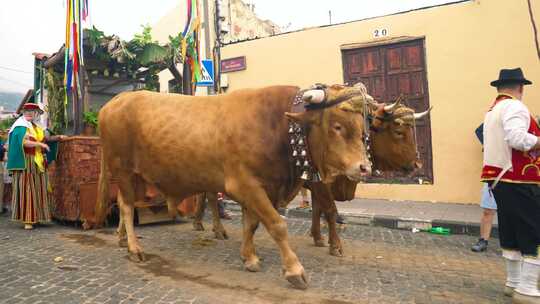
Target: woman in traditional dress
x,y
29,151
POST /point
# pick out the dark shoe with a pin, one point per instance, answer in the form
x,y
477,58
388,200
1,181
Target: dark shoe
x,y
480,246
518,298
340,219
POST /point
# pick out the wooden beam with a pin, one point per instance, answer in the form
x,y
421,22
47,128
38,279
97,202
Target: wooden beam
x,y
102,93
58,57
176,74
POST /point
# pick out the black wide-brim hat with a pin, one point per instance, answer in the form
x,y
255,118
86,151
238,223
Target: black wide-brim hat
x,y
510,76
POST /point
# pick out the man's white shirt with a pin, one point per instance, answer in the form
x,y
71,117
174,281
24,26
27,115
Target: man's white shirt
x,y
505,127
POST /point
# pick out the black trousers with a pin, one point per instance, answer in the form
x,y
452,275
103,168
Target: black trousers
x,y
518,212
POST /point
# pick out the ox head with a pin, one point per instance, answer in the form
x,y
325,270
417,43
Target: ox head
x,y
334,120
393,139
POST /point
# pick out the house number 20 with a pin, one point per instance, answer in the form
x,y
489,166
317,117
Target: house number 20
x,y
380,33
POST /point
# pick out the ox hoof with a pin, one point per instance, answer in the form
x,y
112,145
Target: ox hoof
x,y
253,266
123,242
320,243
137,257
298,281
221,235
336,251
197,226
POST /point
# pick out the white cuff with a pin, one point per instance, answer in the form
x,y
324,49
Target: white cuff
x,y
529,141
513,255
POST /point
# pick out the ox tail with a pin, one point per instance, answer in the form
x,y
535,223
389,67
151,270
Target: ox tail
x,y
102,203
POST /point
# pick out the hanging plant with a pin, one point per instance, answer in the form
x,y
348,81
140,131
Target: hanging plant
x,y
56,108
120,57
90,119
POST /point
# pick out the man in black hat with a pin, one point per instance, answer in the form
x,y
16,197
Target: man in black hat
x,y
512,169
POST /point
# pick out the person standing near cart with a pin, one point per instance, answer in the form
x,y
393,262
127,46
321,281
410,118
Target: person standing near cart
x,y
29,152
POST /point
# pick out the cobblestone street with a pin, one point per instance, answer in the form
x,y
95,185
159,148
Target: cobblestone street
x,y
185,266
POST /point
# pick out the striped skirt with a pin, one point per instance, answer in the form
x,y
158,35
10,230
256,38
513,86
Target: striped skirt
x,y
30,200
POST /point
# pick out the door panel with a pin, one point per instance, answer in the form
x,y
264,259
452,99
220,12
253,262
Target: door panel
x,y
389,71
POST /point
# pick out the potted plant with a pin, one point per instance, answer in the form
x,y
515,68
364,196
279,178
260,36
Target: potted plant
x,y
90,119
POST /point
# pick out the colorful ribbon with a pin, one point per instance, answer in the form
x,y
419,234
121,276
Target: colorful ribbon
x,y
191,42
76,13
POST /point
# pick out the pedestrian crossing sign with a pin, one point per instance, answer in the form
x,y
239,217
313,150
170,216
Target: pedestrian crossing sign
x,y
207,73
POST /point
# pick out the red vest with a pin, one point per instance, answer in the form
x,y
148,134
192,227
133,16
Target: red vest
x,y
525,165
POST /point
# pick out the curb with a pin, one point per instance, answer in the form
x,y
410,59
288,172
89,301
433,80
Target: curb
x,y
388,221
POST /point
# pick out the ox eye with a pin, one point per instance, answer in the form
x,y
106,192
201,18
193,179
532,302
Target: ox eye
x,y
399,133
337,127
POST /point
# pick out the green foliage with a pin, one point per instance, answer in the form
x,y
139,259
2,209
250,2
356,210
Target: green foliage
x,y
145,37
151,82
141,51
54,83
152,53
95,37
175,44
90,117
128,57
5,124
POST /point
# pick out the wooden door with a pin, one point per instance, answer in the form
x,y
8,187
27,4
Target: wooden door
x,y
388,71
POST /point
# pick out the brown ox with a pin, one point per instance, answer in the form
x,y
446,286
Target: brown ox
x,y
235,143
393,149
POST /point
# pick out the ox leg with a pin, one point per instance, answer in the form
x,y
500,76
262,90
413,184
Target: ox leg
x,y
322,196
247,251
171,207
139,195
218,228
121,230
199,213
336,248
126,200
256,201
318,239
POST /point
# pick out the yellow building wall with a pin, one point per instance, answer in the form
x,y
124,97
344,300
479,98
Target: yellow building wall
x,y
466,44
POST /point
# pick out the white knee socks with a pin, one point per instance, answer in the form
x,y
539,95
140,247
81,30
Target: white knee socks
x,y
528,282
513,267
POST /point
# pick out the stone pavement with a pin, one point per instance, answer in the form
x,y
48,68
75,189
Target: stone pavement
x,y
381,265
460,218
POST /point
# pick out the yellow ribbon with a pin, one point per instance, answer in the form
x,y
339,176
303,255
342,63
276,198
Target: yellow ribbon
x,y
39,159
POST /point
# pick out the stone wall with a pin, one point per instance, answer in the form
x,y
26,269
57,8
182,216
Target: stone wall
x,y
74,179
77,165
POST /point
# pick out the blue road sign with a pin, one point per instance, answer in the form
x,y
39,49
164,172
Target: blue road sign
x,y
207,71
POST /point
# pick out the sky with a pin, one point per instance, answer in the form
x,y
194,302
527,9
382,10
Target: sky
x,y
28,26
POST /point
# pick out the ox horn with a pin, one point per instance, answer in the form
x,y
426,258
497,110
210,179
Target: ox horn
x,y
392,107
314,96
423,114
